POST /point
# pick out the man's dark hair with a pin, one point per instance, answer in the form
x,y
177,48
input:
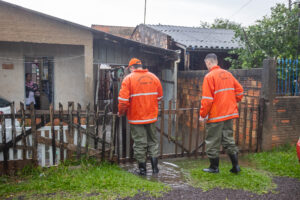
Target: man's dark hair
x,y
27,74
212,57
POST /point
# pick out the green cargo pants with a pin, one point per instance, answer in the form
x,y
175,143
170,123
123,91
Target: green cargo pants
x,y
145,140
219,133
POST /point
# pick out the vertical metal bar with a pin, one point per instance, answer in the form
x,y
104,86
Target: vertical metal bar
x,y
176,127
53,134
296,76
191,128
61,133
293,78
162,123
104,132
282,73
260,124
251,125
286,70
198,130
34,134
289,76
277,75
78,131
24,152
170,121
87,136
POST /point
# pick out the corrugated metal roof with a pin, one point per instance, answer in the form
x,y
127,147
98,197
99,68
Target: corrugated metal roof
x,y
199,38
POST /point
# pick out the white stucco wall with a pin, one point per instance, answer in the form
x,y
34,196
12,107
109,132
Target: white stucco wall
x,y
69,78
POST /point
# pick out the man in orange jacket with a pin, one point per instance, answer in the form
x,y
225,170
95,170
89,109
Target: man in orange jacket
x,y
138,99
220,94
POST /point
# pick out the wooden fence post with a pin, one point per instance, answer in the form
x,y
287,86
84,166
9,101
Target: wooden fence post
x,y
70,136
34,134
251,125
78,131
198,130
5,151
24,152
61,132
245,124
170,121
87,121
177,115
13,124
53,134
191,128
162,123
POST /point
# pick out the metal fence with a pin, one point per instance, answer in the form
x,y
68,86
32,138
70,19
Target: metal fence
x,y
288,77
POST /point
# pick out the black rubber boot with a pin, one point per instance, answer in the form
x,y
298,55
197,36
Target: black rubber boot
x,y
154,162
235,165
142,168
214,166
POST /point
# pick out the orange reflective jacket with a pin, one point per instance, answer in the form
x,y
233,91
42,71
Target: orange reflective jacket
x,y
139,95
220,94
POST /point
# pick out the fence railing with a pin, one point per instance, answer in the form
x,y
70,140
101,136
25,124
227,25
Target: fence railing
x,y
47,137
288,77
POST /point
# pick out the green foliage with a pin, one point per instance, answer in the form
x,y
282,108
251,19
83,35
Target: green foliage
x,y
248,179
220,23
281,161
90,179
273,36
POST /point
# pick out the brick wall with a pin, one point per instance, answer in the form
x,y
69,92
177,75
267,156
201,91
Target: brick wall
x,y
286,118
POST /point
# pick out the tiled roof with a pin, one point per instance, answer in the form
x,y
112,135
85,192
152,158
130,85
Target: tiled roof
x,y
199,38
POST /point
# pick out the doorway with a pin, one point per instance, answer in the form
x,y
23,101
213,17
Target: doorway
x,y
41,71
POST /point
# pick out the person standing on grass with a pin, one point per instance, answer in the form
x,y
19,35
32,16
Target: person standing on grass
x,y
220,94
138,98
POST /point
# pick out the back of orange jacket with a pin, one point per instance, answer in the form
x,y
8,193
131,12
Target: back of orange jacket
x,y
220,94
139,96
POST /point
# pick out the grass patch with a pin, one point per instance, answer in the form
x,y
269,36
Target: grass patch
x,y
89,180
281,161
248,179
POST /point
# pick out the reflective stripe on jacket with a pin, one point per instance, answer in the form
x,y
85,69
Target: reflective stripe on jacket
x,y
220,94
139,96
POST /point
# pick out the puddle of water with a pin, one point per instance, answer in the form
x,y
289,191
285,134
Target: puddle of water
x,y
169,173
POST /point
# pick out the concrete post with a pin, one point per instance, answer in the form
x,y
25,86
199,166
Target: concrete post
x,y
268,94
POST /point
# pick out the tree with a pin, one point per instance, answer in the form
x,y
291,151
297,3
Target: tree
x,y
273,36
220,23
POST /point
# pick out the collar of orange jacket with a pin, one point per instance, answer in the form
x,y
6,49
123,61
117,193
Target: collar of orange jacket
x,y
140,70
215,67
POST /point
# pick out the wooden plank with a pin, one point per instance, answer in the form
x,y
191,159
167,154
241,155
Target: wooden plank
x,y
176,126
24,142
162,127
170,121
198,130
191,128
203,139
182,138
251,125
104,131
260,125
34,133
70,135
245,124
5,150
78,131
237,133
51,109
96,127
118,138
124,131
112,138
87,128
61,132
13,123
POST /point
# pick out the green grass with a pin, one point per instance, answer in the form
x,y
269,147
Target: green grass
x,y
281,161
257,171
90,180
248,179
